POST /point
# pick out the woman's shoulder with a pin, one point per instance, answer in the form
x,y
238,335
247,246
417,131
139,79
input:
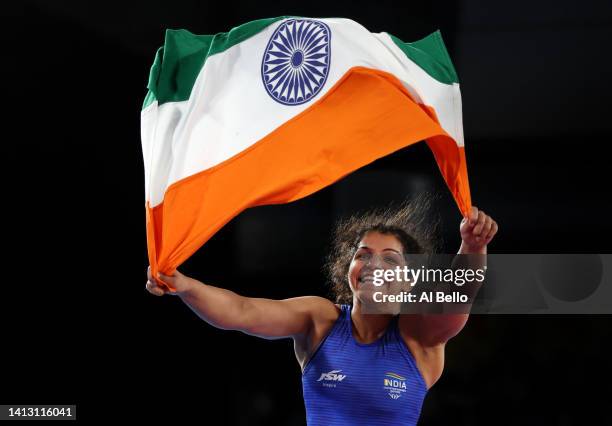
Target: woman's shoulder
x,y
324,309
319,308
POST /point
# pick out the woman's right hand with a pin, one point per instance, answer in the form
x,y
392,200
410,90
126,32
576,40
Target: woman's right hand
x,y
180,282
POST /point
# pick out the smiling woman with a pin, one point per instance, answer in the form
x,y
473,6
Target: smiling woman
x,y
412,224
385,361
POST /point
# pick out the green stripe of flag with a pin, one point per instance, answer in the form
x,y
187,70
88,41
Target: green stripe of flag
x,y
178,63
430,54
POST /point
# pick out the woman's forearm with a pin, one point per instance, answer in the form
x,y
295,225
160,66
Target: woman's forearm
x,y
219,307
470,258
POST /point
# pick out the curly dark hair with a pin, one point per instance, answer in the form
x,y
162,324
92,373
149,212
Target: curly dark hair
x,y
413,222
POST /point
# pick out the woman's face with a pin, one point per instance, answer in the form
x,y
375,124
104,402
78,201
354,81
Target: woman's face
x,y
374,251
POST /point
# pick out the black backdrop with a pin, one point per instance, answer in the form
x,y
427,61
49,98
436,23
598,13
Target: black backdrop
x,y
77,325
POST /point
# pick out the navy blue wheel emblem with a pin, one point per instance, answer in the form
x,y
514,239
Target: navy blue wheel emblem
x,y
296,62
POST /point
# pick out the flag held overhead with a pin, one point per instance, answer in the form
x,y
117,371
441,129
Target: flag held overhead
x,y
277,109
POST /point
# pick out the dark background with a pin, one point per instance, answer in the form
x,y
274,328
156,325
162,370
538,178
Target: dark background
x,y
77,325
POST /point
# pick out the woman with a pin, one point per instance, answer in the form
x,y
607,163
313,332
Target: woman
x,y
358,367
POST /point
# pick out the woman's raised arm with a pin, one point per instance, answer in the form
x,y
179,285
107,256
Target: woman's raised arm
x,y
266,318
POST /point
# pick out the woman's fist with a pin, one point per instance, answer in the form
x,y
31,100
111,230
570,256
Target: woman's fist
x,y
179,282
477,230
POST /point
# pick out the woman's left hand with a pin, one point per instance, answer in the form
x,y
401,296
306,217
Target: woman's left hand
x,y
477,230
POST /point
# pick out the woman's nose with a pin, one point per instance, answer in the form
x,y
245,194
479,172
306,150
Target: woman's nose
x,y
374,261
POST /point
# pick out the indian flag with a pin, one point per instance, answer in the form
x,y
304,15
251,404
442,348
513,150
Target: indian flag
x,y
277,109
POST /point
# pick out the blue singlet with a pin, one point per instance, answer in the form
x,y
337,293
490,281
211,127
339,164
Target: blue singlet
x,y
350,383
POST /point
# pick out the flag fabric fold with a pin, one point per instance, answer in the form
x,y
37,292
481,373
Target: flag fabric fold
x,y
277,109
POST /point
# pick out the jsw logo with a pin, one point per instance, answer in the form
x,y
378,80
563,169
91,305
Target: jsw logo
x,y
332,375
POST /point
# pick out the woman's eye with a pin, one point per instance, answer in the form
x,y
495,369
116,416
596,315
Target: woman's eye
x,y
392,260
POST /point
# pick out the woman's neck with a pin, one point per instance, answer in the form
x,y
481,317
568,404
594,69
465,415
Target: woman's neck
x,y
368,328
